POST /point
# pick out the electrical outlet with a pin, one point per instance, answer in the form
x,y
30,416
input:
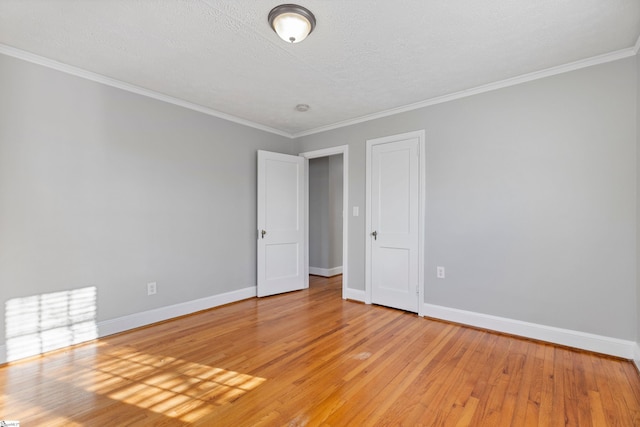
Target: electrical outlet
x,y
440,272
151,288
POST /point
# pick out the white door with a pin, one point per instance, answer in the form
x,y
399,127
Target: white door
x,y
395,200
280,223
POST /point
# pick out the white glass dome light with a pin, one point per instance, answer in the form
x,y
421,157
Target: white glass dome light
x,y
291,22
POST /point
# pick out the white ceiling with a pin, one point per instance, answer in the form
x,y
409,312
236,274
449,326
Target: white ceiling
x,y
364,57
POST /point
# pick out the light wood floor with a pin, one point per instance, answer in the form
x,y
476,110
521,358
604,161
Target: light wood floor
x,y
310,358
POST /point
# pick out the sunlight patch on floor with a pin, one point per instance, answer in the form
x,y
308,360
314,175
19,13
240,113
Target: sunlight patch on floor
x,y
165,385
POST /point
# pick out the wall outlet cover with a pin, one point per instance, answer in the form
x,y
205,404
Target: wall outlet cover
x,y
151,288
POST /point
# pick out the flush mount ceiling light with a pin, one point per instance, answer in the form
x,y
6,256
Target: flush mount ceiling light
x,y
291,22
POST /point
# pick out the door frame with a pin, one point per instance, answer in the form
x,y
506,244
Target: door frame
x,y
344,150
420,134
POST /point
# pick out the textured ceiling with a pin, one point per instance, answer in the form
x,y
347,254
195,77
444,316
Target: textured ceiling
x,y
364,57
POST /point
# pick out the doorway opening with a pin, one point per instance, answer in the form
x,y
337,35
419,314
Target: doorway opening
x,y
325,215
326,206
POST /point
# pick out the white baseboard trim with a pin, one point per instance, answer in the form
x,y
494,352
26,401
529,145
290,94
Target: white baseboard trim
x,y
581,340
132,321
325,272
353,294
585,341
136,320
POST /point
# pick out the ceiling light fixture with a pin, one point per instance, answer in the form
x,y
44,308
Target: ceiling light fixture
x,y
291,22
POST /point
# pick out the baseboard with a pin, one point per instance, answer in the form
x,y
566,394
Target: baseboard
x,y
581,340
325,272
576,339
353,294
132,321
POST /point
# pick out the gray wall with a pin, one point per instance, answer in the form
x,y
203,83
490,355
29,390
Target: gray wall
x,y
101,187
531,199
325,212
531,196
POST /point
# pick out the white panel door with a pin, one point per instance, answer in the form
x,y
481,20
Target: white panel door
x,y
394,229
280,223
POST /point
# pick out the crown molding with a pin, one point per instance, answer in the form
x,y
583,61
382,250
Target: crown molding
x,y
572,66
99,78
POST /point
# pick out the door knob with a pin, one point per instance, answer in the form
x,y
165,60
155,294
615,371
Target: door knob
x,y
375,235
262,233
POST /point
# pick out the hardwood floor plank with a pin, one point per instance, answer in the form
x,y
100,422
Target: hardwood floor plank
x,y
468,412
514,371
572,383
438,386
311,358
524,389
406,391
471,365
